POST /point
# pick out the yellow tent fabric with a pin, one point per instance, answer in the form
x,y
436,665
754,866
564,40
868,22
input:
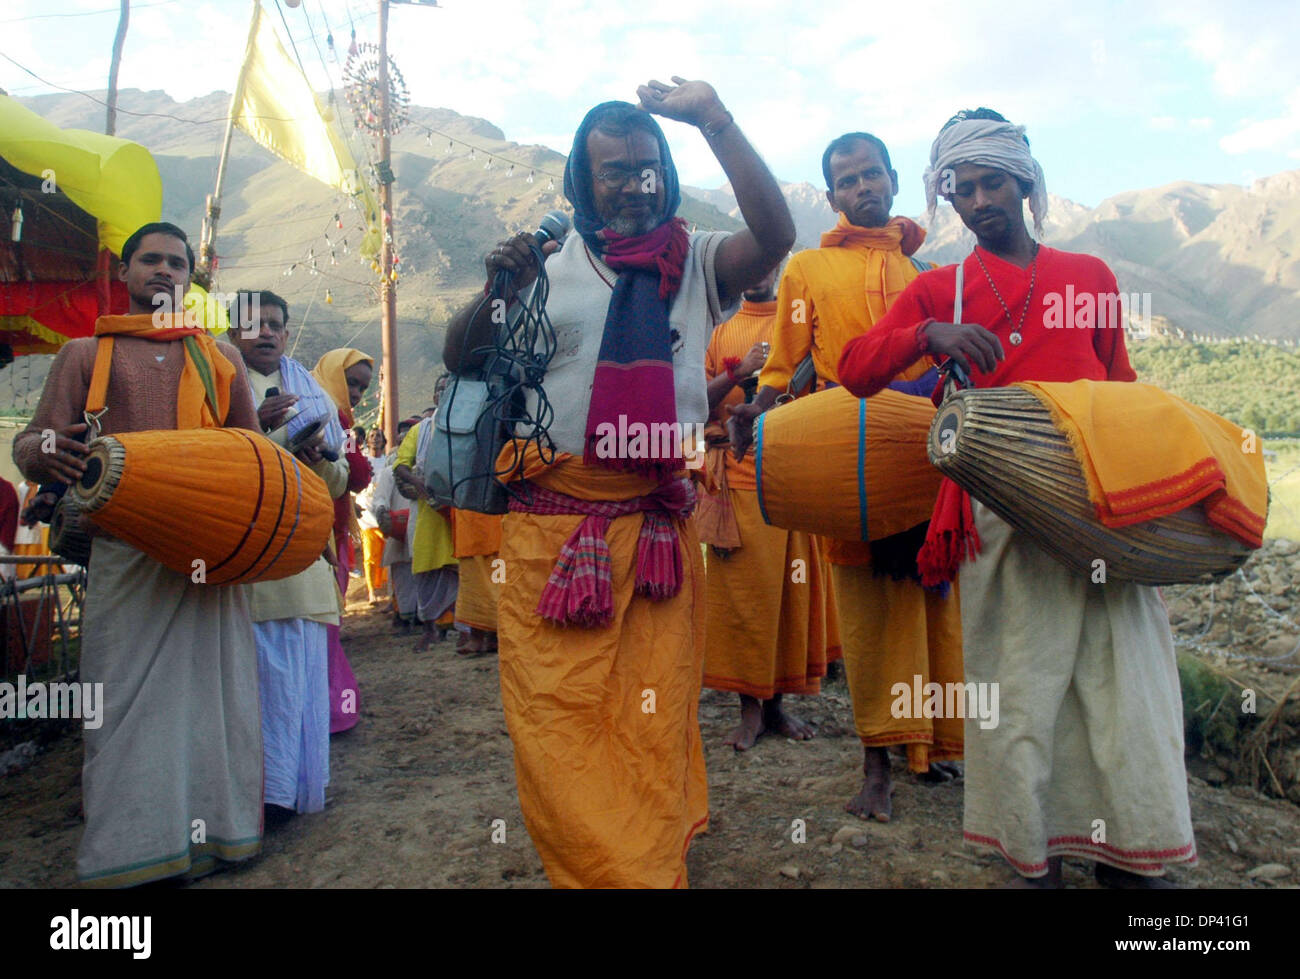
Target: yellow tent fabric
x,y
275,105
114,180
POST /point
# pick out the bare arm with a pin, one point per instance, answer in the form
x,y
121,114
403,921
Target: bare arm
x,y
746,256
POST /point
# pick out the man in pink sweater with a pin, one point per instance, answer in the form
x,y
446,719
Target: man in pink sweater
x,y
172,779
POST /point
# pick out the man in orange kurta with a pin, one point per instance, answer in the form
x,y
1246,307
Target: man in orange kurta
x,y
892,630
767,630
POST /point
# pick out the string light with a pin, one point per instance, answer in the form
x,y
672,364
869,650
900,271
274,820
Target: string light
x,y
16,233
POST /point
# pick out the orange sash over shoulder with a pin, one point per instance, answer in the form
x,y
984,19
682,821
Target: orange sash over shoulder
x,y
203,397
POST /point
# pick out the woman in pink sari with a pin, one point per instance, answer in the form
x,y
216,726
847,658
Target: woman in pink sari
x,y
345,374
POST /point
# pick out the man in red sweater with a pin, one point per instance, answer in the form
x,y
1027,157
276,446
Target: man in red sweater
x,y
1086,758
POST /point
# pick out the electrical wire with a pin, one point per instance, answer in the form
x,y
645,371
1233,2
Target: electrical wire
x,y
516,361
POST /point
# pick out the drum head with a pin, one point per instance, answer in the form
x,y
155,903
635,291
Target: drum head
x,y
104,462
945,431
67,539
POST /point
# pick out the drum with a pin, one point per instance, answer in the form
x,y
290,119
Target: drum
x,y
226,497
842,467
68,538
1000,445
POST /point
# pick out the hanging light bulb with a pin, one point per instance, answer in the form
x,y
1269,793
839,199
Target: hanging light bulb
x,y
511,171
329,298
428,138
352,48
530,177
488,165
16,234
345,246
338,221
450,147
550,184
289,271
473,154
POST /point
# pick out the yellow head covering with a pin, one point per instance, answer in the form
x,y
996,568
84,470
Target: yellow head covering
x,y
329,373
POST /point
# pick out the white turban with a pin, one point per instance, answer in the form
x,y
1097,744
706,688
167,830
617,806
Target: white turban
x,y
986,143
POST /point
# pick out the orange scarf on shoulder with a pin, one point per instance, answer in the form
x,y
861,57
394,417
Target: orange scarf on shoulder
x,y
203,396
889,270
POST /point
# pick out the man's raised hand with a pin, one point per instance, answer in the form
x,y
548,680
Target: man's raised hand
x,y
693,102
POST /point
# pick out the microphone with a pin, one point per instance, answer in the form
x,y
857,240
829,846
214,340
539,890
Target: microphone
x,y
553,227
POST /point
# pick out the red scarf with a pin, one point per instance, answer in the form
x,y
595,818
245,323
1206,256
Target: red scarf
x,y
663,249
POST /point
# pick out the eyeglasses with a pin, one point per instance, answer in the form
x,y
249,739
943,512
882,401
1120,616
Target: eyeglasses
x,y
616,178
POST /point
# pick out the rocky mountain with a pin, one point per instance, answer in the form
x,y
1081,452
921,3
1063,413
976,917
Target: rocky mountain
x,y
1218,260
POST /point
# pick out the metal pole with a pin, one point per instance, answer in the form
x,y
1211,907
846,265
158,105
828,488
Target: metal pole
x,y
388,290
110,124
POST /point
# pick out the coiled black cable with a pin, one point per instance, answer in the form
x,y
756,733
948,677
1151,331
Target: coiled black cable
x,y
516,362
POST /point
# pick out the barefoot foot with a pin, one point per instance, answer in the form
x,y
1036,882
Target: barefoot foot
x,y
873,799
777,721
745,733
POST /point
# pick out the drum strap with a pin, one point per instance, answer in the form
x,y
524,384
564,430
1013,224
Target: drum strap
x,y
97,396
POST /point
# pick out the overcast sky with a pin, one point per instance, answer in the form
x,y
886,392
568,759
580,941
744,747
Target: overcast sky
x,y
1117,96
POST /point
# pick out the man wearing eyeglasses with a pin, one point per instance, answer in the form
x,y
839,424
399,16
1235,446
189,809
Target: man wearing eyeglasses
x,y
602,649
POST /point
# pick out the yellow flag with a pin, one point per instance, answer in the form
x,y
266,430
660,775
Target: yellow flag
x,y
275,105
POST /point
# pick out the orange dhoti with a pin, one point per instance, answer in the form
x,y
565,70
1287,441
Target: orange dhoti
x,y
476,541
372,550
895,632
767,609
608,758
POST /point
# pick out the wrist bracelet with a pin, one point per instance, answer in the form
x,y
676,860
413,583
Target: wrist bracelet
x,y
710,131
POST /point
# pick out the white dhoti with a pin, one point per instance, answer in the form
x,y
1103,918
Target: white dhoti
x,y
173,778
1086,759
293,669
436,592
404,588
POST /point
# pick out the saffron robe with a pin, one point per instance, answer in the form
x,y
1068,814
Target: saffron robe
x,y
891,632
770,627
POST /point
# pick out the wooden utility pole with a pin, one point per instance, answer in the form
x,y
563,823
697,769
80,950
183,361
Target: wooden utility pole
x,y
387,231
110,124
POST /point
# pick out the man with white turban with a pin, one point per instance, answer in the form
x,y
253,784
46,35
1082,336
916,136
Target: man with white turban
x,y
1086,758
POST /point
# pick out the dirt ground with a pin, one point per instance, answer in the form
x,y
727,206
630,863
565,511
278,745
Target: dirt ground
x,y
417,785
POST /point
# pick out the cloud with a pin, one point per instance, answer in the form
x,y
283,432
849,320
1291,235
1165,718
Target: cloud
x,y
1249,48
1279,133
